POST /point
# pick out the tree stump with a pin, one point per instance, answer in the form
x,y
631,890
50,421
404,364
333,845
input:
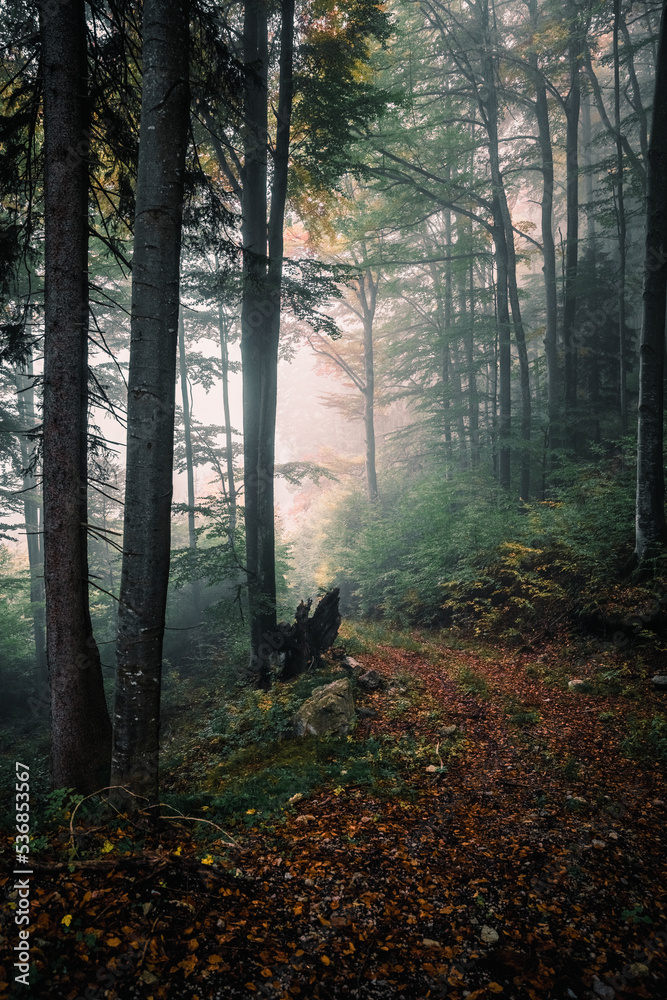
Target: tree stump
x,y
305,640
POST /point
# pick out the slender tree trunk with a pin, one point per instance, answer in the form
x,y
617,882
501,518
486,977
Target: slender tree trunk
x,y
620,213
367,294
31,513
504,350
572,107
504,219
190,471
80,725
651,529
229,443
260,314
256,307
593,337
151,397
548,244
473,396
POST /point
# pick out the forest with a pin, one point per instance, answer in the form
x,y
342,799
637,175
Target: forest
x,y
333,550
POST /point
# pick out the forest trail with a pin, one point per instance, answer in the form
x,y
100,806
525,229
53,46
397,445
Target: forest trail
x,y
521,856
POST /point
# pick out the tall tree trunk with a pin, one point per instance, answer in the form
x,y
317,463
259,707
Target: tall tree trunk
x,y
80,725
651,529
621,222
489,112
504,349
260,314
367,294
32,516
190,472
229,443
548,244
163,133
572,107
257,479
593,337
500,197
473,396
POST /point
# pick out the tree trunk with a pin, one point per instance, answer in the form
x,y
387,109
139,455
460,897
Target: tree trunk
x,y
187,430
151,396
548,244
32,515
81,730
504,219
260,315
651,529
229,444
620,214
368,301
572,107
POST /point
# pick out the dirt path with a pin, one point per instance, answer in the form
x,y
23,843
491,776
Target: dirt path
x,y
520,856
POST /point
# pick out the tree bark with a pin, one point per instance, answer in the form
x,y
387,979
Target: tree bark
x,y
572,108
32,516
257,477
621,223
548,244
80,726
229,443
651,529
151,397
260,314
190,472
367,295
502,218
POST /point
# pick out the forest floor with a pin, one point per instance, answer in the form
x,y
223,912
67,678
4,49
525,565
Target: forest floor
x,y
486,831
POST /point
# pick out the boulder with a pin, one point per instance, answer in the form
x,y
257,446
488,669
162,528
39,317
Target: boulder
x,y
660,682
328,712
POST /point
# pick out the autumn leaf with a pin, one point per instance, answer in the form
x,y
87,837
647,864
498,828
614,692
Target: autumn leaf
x,y
67,919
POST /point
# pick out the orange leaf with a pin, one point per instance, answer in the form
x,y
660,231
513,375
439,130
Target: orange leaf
x,y
325,959
495,987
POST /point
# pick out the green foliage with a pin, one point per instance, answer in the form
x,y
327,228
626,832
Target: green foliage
x,y
57,807
471,683
571,768
636,915
391,559
647,740
457,552
522,716
17,661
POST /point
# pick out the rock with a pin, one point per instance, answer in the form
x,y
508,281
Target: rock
x,y
430,943
638,969
328,712
367,713
603,990
350,662
448,730
576,684
489,935
370,681
660,682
